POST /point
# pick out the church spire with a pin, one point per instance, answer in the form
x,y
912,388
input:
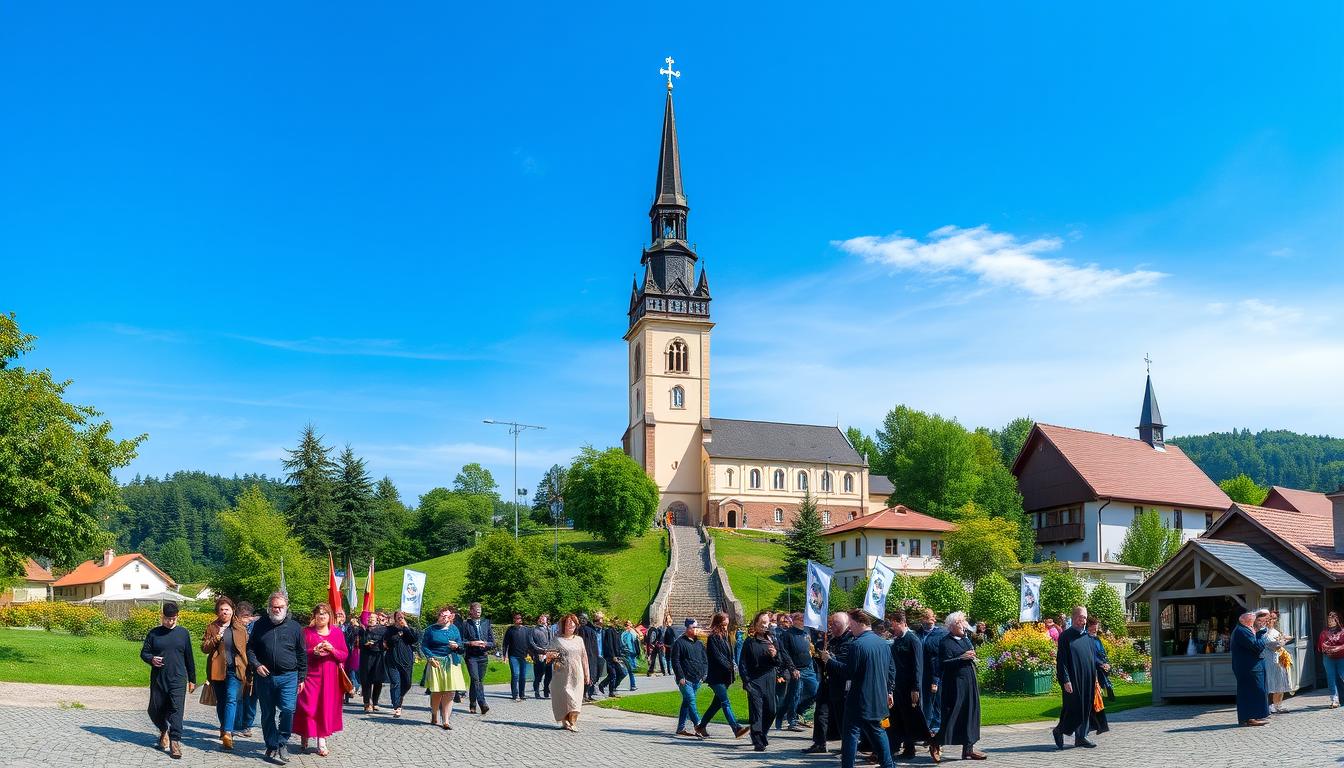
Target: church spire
x,y
667,190
1150,419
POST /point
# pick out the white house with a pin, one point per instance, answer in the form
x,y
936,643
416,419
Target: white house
x,y
114,577
33,588
906,541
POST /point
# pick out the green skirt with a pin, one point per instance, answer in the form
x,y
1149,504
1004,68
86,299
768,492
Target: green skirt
x,y
448,677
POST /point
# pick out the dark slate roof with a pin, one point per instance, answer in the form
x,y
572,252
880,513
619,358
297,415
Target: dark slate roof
x,y
1250,563
1151,416
880,484
667,190
738,439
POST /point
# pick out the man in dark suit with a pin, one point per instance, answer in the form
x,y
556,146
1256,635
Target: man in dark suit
x,y
613,659
1248,666
932,635
832,665
907,661
590,635
869,699
479,638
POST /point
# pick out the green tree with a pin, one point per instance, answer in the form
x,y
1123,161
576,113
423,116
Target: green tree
x,y
609,495
866,446
449,520
1104,605
803,541
400,544
550,490
499,576
360,527
1149,542
994,600
1061,590
932,461
256,540
568,581
1243,490
56,462
980,545
1009,440
944,592
312,477
175,559
476,480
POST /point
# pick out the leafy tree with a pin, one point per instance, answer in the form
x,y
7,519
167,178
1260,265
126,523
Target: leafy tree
x,y
997,494
609,495
1243,490
1009,440
994,600
866,446
804,542
1061,590
477,480
981,545
256,539
1149,542
312,477
567,582
175,559
507,575
551,489
931,461
449,520
359,525
56,463
1104,605
400,544
944,592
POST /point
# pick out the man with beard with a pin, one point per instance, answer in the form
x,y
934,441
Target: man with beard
x,y
1076,670
832,664
279,659
907,717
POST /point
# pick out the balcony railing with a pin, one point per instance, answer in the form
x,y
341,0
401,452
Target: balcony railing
x,y
1052,534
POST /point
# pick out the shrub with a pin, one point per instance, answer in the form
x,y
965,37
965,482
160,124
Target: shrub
x,y
141,620
1125,656
944,593
79,620
1104,605
994,601
1061,590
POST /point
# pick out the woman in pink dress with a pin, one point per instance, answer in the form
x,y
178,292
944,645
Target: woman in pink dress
x,y
318,711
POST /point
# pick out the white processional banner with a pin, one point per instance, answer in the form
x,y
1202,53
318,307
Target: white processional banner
x,y
879,584
1030,604
818,595
412,591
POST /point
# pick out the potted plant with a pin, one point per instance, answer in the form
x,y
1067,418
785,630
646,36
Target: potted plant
x,y
1024,659
1131,664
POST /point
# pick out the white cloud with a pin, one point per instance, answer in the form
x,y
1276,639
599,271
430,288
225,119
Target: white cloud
x,y
1262,316
997,259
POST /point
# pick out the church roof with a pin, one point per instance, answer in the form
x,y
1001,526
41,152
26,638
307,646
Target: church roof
x,y
668,190
740,439
1151,416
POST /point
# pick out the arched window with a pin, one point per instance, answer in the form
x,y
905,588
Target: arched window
x,y
826,519
755,478
638,365
728,474
678,359
779,515
678,397
825,482
802,481
639,404
849,483
779,480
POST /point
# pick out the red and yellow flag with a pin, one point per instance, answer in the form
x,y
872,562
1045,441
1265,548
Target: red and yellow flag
x,y
368,596
333,588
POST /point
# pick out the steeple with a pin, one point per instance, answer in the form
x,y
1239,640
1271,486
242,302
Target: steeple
x,y
1150,420
669,209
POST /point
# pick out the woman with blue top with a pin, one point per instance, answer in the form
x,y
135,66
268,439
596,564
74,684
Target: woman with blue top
x,y
441,645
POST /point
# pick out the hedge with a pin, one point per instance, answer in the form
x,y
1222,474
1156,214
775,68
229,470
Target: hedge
x,y
83,620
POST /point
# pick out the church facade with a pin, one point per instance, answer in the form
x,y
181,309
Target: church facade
x,y
723,472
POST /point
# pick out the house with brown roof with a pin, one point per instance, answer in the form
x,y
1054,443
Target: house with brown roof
x,y
906,541
1081,490
114,577
1288,558
33,588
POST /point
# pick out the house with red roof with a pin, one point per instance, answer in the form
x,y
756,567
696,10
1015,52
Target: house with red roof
x,y
907,541
114,577
34,587
1081,490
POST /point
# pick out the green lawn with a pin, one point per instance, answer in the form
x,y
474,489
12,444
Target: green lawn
x,y
634,571
755,568
37,656
995,709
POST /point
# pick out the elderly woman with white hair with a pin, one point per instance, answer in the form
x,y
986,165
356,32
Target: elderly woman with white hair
x,y
960,691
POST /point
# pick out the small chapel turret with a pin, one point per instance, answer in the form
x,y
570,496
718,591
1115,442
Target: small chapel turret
x,y
1150,420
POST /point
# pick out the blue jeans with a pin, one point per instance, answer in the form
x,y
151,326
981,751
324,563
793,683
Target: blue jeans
x,y
853,728
277,695
631,666
807,694
226,699
245,716
720,702
1334,675
353,673
517,677
541,679
932,705
689,713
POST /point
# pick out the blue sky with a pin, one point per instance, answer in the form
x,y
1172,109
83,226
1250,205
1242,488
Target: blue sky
x,y
224,223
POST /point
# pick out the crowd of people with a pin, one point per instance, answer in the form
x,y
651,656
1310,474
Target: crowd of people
x,y
1264,669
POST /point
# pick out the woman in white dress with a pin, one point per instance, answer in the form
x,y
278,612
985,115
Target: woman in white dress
x,y
1278,680
570,665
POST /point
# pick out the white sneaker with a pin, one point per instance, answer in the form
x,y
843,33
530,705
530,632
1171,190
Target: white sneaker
x,y
1334,703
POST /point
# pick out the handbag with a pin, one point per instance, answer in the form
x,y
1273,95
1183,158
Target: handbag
x,y
1098,704
208,694
346,685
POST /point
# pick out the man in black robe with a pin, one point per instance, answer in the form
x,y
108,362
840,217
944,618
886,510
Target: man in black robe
x,y
959,704
1076,670
907,716
1248,666
172,675
832,663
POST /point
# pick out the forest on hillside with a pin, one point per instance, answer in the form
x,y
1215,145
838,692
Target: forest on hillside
x,y
1269,457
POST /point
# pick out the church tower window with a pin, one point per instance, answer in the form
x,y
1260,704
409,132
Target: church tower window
x,y
779,480
755,478
678,397
802,481
638,366
825,482
849,483
678,358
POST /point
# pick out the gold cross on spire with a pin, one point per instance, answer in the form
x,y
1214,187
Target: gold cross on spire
x,y
669,71
1149,361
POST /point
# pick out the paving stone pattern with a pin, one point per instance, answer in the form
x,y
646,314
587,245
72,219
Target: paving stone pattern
x,y
37,733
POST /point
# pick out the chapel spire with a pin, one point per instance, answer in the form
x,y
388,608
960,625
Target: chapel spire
x,y
667,190
1150,419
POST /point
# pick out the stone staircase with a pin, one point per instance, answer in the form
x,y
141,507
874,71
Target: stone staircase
x,y
694,593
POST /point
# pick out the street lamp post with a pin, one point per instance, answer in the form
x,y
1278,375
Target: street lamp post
x,y
514,429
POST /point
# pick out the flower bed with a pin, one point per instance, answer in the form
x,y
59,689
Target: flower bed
x,y
1021,661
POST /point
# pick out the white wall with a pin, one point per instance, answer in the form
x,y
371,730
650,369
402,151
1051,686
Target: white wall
x,y
134,578
1105,526
854,566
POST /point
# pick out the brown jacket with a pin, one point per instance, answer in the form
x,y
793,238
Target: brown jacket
x,y
213,647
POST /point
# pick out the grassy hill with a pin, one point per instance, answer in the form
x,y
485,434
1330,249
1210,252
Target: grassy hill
x,y
633,573
755,567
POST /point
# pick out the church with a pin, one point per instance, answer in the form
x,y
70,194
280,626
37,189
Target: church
x,y
728,473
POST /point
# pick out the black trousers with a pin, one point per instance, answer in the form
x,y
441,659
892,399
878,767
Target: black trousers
x,y
761,708
165,709
476,666
400,678
596,677
541,678
656,656
615,674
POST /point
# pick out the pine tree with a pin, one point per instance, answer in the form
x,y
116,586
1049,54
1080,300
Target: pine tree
x,y
804,541
311,476
359,528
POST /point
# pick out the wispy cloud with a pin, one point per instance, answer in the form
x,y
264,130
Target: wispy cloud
x,y
326,345
149,334
1260,315
997,259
